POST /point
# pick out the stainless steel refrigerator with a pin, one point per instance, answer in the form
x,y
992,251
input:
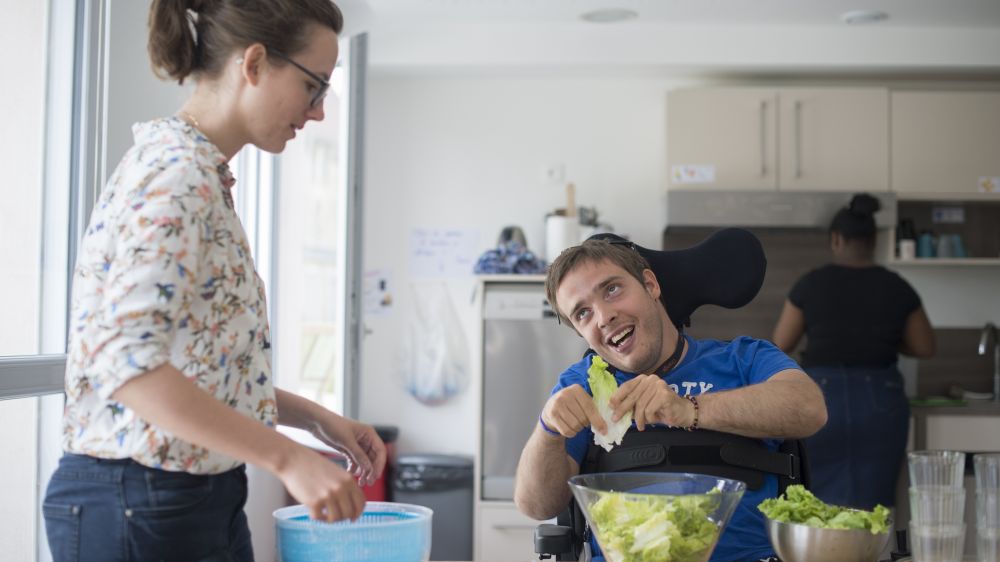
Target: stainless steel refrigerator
x,y
524,352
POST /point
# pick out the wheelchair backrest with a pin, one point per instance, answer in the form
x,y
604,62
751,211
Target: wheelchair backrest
x,y
726,269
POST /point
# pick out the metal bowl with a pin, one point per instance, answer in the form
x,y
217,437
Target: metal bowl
x,y
794,542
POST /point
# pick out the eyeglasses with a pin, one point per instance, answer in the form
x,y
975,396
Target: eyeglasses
x,y
323,84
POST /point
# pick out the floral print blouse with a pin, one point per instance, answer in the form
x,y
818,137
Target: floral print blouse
x,y
165,275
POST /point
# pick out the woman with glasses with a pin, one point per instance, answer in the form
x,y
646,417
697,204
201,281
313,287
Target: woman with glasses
x,y
169,384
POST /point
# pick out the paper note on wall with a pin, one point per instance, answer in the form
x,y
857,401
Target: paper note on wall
x,y
376,291
692,173
443,252
988,184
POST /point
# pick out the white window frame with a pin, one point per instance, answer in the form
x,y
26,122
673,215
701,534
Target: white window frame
x,y
24,376
38,375
73,94
353,211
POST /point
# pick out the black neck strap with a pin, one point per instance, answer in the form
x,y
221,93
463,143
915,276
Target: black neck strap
x,y
671,361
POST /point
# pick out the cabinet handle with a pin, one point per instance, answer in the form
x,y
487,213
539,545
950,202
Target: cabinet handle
x,y
763,138
798,139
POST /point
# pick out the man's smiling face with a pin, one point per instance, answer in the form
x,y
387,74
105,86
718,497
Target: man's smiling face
x,y
621,318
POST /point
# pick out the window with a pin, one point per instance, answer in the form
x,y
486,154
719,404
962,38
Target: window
x,y
21,158
35,150
309,279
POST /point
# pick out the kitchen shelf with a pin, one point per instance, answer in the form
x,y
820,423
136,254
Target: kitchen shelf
x,y
978,227
946,262
947,197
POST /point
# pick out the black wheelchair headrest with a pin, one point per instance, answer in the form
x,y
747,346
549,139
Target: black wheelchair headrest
x,y
726,269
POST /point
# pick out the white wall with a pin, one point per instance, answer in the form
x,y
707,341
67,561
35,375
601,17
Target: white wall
x,y
471,152
957,297
134,93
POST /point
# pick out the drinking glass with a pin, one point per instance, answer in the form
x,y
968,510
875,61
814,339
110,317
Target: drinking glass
x,y
937,543
987,507
936,468
936,505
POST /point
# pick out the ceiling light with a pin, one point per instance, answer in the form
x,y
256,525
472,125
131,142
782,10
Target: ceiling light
x,y
609,15
862,17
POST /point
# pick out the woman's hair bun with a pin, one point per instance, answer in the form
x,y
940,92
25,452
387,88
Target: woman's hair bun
x,y
864,204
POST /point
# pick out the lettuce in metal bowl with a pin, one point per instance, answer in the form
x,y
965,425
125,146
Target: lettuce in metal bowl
x,y
798,505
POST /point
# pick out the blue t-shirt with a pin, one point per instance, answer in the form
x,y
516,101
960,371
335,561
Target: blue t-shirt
x,y
710,366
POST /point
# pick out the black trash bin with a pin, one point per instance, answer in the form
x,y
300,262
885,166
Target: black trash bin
x,y
444,484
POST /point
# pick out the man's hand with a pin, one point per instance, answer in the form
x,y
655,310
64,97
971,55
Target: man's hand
x,y
570,410
651,401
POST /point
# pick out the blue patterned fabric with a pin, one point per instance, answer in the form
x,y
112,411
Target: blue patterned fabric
x,y
510,257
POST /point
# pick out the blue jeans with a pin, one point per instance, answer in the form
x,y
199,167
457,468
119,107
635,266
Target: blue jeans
x,y
119,510
856,458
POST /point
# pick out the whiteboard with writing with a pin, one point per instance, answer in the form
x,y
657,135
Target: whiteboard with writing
x,y
443,252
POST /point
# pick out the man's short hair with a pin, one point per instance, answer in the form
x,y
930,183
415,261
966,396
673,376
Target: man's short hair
x,y
591,251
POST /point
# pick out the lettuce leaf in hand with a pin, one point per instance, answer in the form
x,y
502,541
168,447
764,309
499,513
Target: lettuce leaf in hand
x,y
602,386
798,505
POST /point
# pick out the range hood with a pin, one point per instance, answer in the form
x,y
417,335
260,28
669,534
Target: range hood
x,y
785,209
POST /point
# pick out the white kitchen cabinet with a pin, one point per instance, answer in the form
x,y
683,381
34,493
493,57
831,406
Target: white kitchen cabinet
x,y
833,139
729,131
808,139
504,533
963,433
945,142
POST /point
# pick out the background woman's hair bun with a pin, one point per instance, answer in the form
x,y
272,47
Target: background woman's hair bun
x,y
864,204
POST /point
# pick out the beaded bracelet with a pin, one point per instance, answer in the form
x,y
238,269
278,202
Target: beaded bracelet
x,y
694,424
548,429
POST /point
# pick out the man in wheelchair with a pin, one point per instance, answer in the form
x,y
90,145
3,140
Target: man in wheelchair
x,y
742,391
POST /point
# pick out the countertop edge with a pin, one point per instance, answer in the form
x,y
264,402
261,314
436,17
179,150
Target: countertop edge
x,y
973,408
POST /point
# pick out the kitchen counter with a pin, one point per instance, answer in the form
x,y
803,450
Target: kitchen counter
x,y
967,428
971,408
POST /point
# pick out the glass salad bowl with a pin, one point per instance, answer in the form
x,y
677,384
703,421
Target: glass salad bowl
x,y
656,517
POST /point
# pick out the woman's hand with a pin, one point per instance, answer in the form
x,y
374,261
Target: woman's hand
x,y
330,492
358,442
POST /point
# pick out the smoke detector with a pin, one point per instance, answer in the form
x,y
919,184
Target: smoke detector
x,y
609,15
862,17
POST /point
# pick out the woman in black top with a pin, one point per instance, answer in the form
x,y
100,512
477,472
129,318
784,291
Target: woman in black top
x,y
856,316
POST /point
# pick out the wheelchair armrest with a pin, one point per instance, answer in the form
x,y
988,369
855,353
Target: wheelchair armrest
x,y
553,540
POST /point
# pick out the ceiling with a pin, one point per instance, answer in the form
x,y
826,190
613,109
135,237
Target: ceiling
x,y
902,13
681,36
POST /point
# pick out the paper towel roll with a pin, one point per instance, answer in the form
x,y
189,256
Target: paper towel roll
x,y
560,233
